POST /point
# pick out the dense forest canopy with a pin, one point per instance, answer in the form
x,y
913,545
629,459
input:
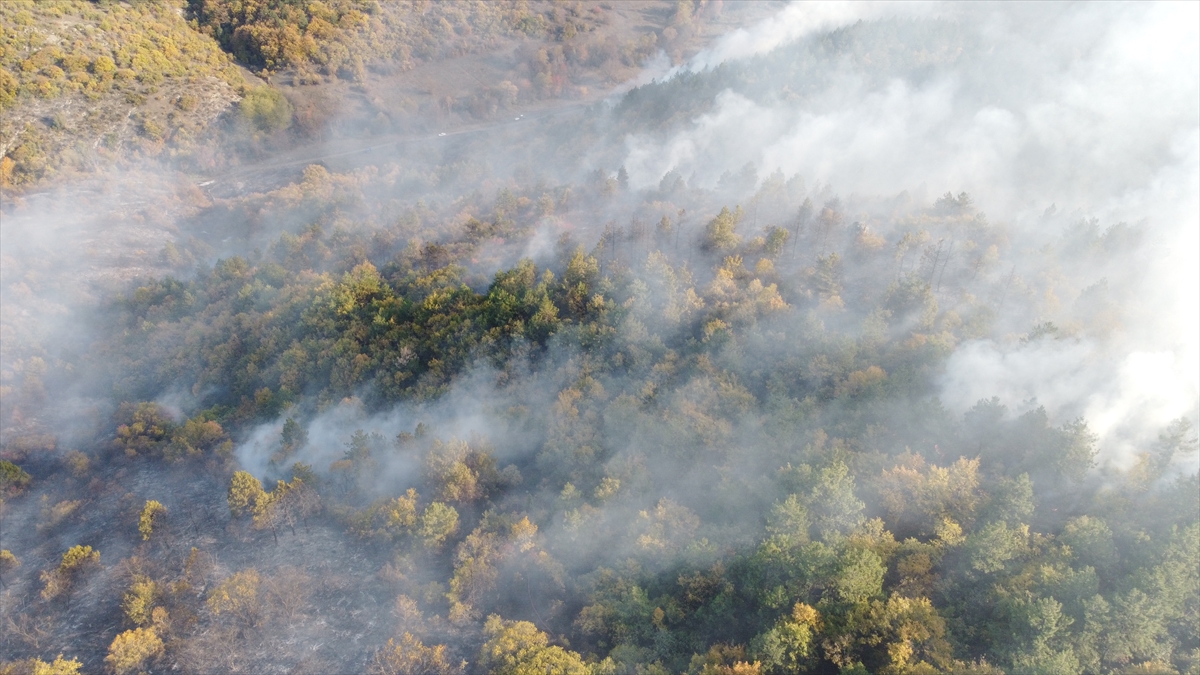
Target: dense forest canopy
x,y
623,388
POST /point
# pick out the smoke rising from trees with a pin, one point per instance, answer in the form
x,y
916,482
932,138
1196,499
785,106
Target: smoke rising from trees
x,y
1087,112
862,339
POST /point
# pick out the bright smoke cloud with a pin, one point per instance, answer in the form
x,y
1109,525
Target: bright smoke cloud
x,y
1091,108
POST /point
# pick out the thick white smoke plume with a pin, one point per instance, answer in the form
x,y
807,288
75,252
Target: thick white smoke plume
x,y
1091,108
798,20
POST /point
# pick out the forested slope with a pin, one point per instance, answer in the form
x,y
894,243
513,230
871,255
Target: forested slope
x,y
486,409
88,86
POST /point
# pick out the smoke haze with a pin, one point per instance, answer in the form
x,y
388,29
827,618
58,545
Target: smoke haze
x,y
822,328
1085,110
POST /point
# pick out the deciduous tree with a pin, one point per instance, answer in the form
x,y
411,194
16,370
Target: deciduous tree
x,y
59,666
76,562
720,234
438,523
8,563
153,514
130,650
140,600
13,479
245,491
408,656
237,596
519,648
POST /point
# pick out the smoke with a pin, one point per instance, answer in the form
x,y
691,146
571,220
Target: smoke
x,y
1015,118
1076,128
796,21
1083,107
65,253
1126,397
479,404
1087,110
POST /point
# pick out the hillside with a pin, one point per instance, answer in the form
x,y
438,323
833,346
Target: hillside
x,y
600,385
82,85
200,86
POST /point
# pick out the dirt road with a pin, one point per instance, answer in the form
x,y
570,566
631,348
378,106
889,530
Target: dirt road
x,y
349,153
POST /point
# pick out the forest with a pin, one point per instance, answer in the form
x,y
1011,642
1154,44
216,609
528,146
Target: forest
x,y
520,402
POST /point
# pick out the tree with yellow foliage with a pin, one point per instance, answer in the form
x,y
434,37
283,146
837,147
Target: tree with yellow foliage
x,y
245,491
270,510
921,495
519,648
789,646
152,514
462,472
720,233
61,580
438,523
59,666
8,563
237,596
723,659
410,657
912,633
140,599
130,650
